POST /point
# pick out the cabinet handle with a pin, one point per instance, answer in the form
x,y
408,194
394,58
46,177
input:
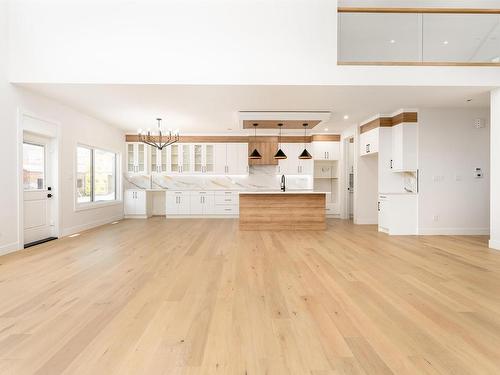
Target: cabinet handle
x,y
367,147
378,206
391,163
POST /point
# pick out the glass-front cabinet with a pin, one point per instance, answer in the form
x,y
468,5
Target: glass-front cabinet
x,y
180,158
204,158
137,157
159,160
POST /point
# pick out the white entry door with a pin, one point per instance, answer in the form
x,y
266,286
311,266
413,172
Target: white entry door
x,y
38,192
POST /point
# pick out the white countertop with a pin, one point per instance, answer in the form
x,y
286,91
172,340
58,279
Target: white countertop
x,y
284,192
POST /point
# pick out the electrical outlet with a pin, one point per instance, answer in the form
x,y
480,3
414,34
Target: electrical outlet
x,y
435,218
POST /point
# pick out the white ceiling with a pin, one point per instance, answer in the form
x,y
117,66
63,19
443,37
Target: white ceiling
x,y
214,109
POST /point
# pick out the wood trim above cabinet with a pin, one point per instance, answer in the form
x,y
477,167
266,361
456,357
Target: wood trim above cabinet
x,y
198,139
383,122
245,139
418,10
325,138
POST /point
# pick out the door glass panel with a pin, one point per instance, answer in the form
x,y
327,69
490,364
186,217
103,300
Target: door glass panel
x,y
130,157
174,158
83,175
197,158
140,156
209,161
164,160
186,158
105,178
153,160
33,166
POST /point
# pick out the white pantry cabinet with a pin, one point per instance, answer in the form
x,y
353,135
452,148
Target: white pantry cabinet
x,y
137,204
369,142
404,147
325,150
137,157
231,158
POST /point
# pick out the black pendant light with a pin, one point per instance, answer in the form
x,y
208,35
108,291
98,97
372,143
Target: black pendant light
x,y
255,154
305,154
280,154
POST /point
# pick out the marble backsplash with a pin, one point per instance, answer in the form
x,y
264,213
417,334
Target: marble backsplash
x,y
259,178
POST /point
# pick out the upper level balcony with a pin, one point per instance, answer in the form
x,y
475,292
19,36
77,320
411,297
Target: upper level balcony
x,y
418,36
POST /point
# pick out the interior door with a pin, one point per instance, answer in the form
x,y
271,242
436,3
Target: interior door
x,y
38,193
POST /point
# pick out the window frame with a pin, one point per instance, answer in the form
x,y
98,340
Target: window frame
x,y
79,206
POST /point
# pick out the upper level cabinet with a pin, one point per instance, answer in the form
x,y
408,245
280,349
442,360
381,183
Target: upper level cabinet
x,y
231,158
404,147
137,157
159,160
369,142
292,164
203,158
180,158
326,150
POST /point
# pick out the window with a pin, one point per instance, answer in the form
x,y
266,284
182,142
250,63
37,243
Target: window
x,y
33,166
95,175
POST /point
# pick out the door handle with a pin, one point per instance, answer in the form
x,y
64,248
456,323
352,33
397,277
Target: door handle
x,y
49,195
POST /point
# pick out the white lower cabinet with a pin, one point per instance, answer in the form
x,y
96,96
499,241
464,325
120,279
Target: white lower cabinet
x,y
177,203
202,203
137,204
397,214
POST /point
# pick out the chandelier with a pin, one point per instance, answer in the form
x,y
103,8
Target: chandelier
x,y
158,140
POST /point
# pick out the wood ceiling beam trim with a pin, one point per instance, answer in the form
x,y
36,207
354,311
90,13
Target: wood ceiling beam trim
x,y
384,122
247,139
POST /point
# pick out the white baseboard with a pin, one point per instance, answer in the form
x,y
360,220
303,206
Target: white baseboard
x,y
494,244
365,221
453,231
79,228
10,248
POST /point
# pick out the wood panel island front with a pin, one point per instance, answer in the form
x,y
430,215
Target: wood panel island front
x,y
278,210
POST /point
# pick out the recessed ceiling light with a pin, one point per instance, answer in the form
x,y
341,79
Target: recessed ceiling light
x,y
445,42
346,117
392,41
326,129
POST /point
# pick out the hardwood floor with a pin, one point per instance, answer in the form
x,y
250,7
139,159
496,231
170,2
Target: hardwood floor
x,y
201,297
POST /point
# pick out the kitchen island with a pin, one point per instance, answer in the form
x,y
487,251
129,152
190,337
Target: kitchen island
x,y
278,210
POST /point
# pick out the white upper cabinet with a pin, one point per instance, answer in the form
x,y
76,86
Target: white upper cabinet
x,y
369,142
404,147
326,150
231,158
180,158
203,157
292,164
137,157
159,160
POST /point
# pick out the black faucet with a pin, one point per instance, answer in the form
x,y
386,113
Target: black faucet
x,y
282,182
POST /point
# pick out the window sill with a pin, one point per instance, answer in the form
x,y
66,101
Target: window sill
x,y
94,205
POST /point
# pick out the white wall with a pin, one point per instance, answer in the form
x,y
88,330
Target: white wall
x,y
495,170
450,148
75,127
198,42
422,3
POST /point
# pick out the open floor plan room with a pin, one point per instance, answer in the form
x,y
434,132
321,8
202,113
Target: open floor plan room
x,y
122,299
250,187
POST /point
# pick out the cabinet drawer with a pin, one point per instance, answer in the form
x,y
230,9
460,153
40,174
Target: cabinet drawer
x,y
227,210
227,193
176,192
226,199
